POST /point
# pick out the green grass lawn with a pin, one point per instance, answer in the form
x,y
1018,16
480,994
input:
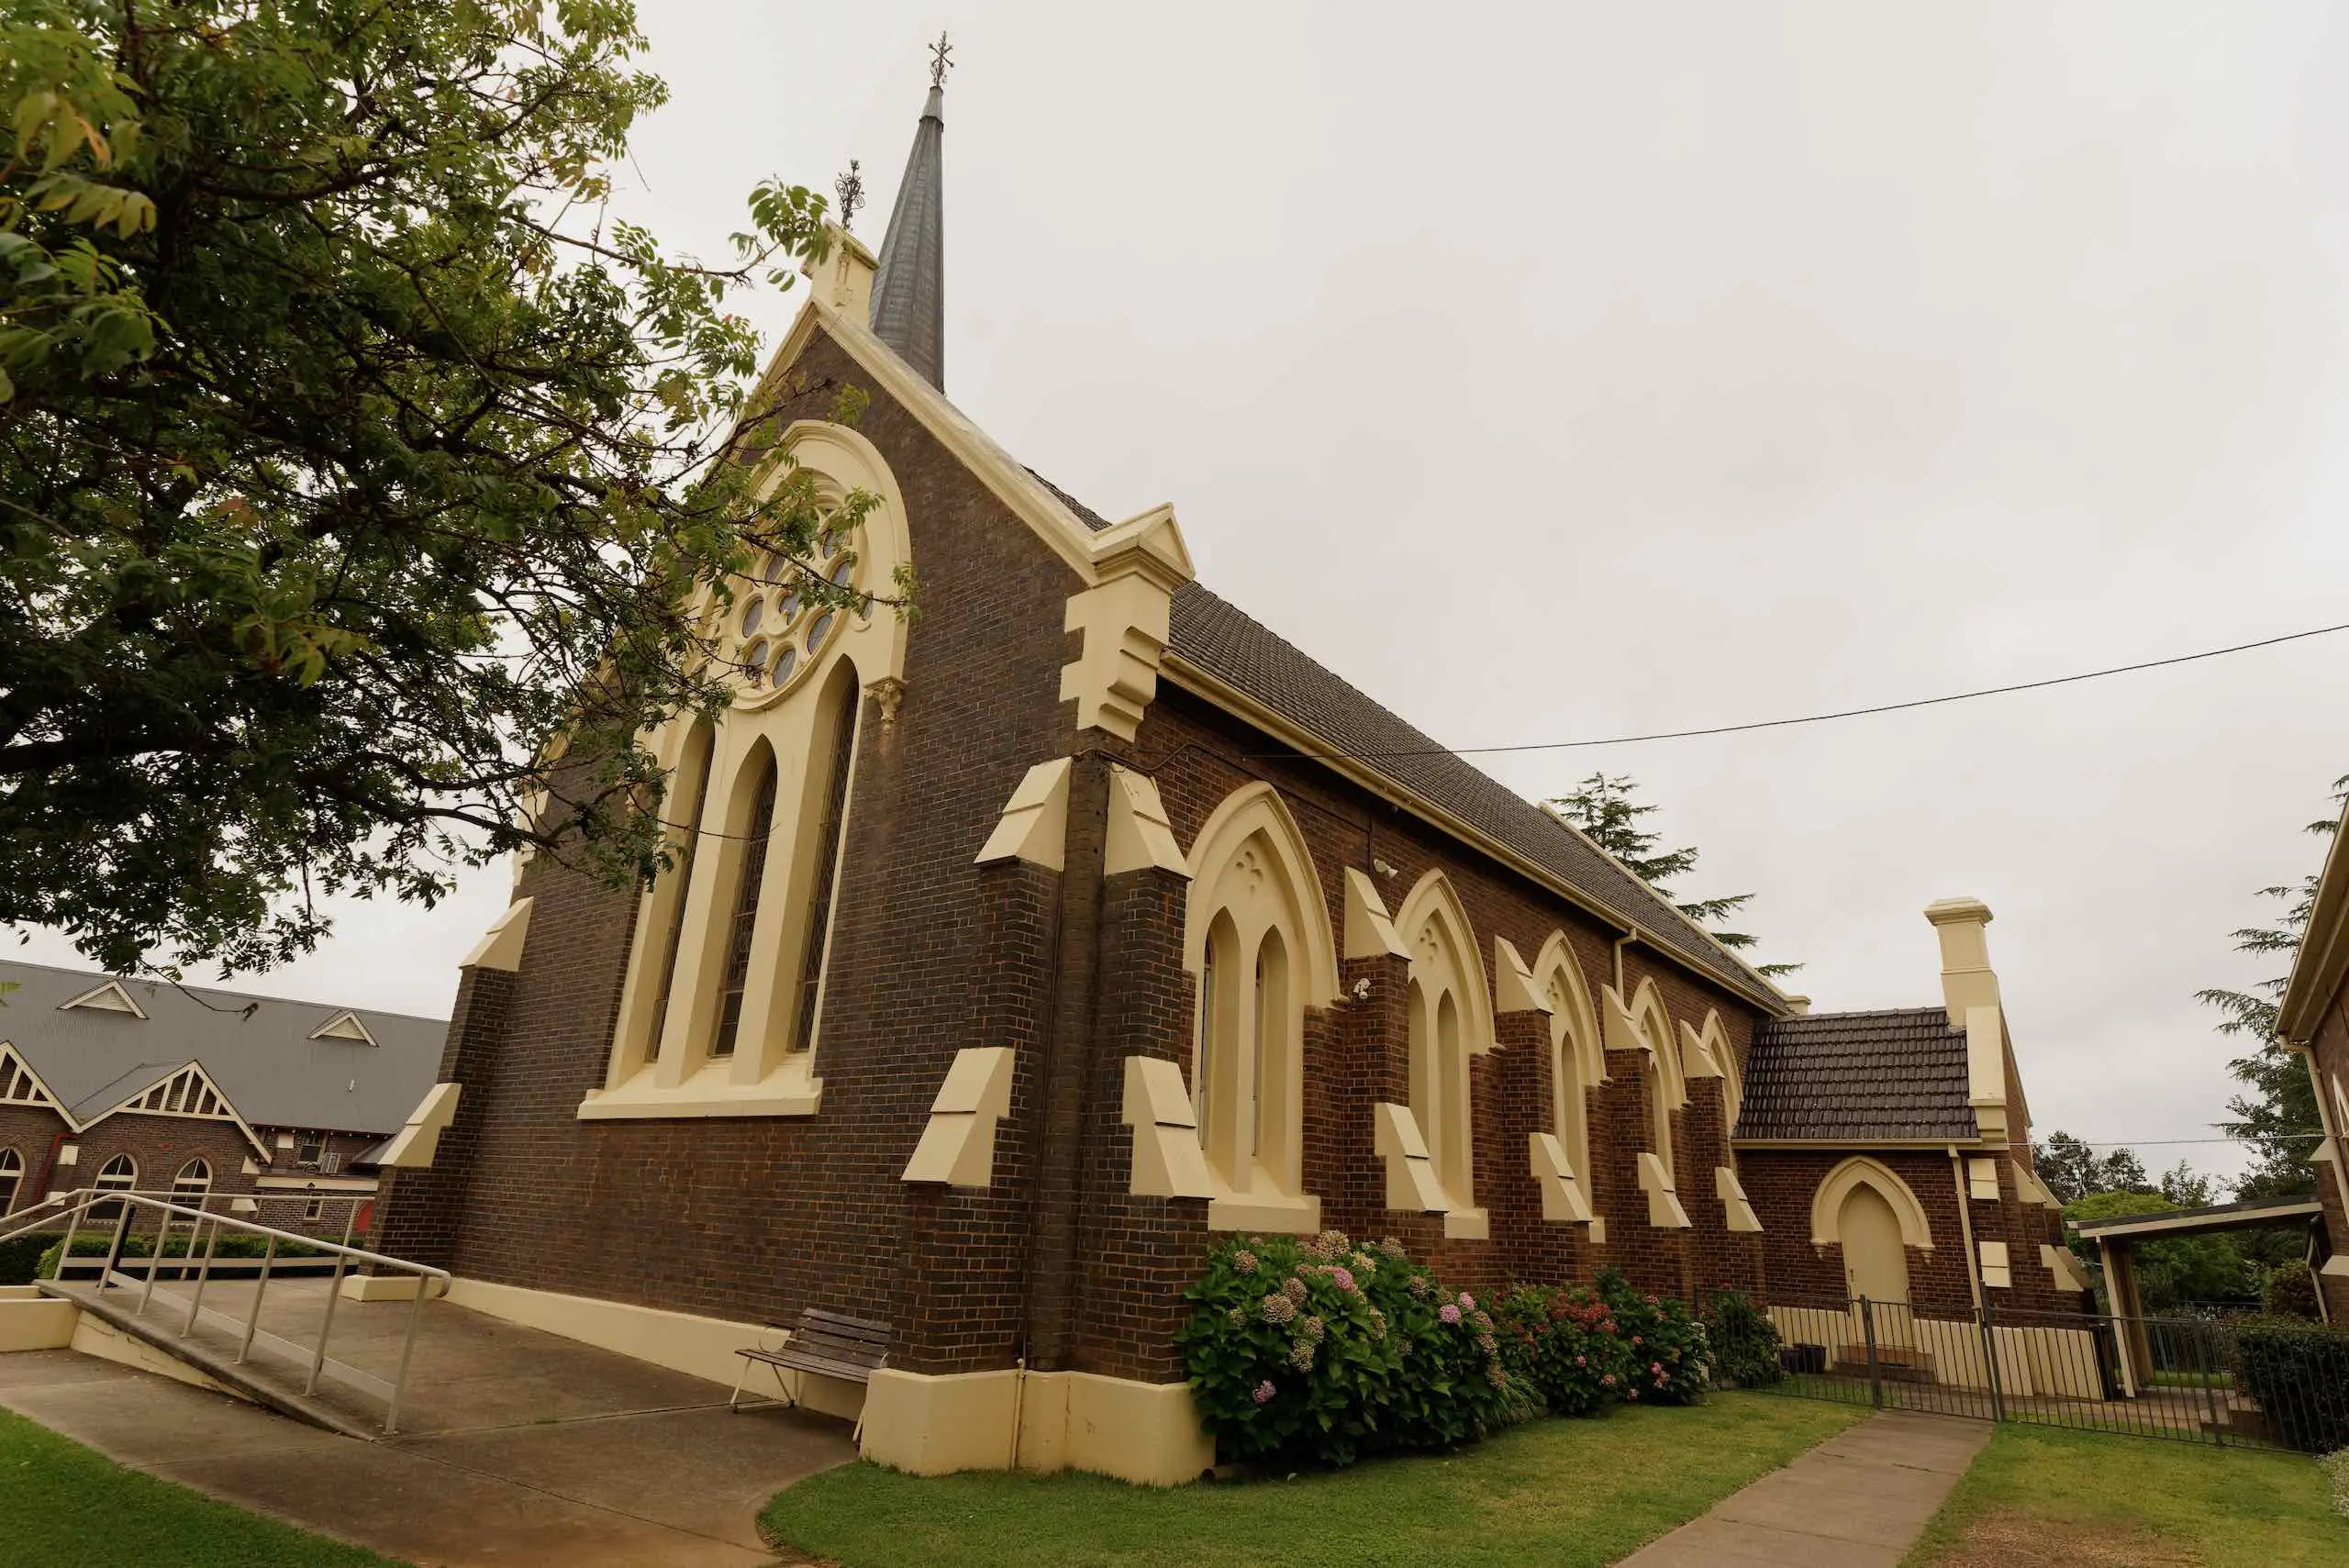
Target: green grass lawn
x,y
1559,1494
65,1506
2039,1496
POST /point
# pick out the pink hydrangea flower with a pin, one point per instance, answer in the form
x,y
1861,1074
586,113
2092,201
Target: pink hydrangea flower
x,y
1244,1262
1265,1392
1656,1367
1343,1278
1467,1302
1608,1381
1449,1313
1582,1360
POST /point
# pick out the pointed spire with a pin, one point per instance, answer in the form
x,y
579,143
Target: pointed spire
x,y
909,290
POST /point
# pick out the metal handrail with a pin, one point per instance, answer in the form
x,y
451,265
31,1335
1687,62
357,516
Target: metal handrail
x,y
75,1207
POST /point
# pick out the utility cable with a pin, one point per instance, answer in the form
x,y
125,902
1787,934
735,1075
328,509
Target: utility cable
x,y
1819,717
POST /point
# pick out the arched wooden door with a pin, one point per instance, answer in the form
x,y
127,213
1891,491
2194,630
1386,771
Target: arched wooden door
x,y
1875,1264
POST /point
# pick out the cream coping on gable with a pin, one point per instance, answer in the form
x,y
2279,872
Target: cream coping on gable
x,y
1827,1203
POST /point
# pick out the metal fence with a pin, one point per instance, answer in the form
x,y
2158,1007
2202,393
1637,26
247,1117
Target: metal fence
x,y
2188,1379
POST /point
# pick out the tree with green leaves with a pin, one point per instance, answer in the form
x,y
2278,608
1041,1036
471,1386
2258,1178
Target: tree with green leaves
x,y
359,476
2072,1169
2279,1115
1608,812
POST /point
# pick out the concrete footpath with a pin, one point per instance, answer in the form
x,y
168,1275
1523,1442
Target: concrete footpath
x,y
648,1485
1858,1500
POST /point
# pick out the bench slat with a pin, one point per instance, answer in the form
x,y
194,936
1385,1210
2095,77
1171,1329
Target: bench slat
x,y
830,1344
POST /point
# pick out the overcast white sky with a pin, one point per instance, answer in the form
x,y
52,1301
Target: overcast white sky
x,y
1572,370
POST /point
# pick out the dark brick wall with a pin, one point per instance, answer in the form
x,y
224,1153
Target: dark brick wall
x,y
1358,1053
162,1146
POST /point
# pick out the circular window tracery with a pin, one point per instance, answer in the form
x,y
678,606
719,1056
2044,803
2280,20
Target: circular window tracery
x,y
780,634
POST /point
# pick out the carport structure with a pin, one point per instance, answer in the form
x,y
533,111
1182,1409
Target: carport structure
x,y
2118,1239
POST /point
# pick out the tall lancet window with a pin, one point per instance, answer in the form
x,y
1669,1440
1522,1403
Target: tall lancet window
x,y
816,935
725,998
745,923
1257,943
1451,1024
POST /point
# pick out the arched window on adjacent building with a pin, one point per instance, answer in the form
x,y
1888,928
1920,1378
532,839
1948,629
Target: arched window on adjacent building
x,y
119,1174
12,1177
1451,1023
1257,942
192,1184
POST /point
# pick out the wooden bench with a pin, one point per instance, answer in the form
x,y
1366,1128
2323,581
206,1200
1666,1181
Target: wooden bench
x,y
829,1344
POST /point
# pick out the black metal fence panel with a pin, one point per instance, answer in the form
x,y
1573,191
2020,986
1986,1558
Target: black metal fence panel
x,y
2216,1380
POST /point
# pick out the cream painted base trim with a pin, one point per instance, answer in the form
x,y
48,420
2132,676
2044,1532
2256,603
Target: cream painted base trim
x,y
1468,1225
1274,1214
382,1287
36,1322
702,1347
789,1089
96,1337
1144,1432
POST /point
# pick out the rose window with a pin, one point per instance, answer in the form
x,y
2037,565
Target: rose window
x,y
782,634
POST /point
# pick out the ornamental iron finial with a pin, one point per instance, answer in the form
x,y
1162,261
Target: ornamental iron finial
x,y
851,188
940,63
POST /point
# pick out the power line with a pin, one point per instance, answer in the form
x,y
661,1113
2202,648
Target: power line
x,y
1824,717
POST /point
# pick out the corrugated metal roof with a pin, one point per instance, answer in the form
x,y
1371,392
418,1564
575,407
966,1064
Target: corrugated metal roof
x,y
1226,644
257,1049
1844,1076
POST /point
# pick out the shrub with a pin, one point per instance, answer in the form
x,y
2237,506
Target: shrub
x,y
1744,1340
1671,1360
2291,1293
1563,1346
1452,1387
20,1257
2299,1375
1289,1353
97,1243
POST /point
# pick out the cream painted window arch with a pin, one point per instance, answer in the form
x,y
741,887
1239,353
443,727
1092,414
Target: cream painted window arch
x,y
1258,945
1577,1054
1665,1091
1449,1011
721,1010
12,1177
193,1184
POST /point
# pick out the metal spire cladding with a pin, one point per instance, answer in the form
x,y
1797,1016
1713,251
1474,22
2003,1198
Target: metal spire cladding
x,y
909,289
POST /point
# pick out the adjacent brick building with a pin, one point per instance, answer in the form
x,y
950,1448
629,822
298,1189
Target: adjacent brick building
x,y
255,1106
1015,954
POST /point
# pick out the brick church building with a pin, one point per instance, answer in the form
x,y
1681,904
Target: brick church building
x,y
1018,952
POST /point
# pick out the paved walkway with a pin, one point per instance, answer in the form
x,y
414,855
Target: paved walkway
x,y
525,1448
1858,1500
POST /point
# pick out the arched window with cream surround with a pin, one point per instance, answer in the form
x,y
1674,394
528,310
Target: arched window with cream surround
x,y
12,1177
1577,1055
1258,944
1450,1012
721,1011
1665,1090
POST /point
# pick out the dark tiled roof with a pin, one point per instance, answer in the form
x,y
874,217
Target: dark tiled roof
x,y
1857,1075
1223,640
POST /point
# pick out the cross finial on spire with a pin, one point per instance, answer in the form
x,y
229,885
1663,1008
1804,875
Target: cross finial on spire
x,y
851,188
941,62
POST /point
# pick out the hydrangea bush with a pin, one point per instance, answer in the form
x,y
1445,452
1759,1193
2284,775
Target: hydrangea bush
x,y
1317,1349
1671,1358
1564,1345
1288,1351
